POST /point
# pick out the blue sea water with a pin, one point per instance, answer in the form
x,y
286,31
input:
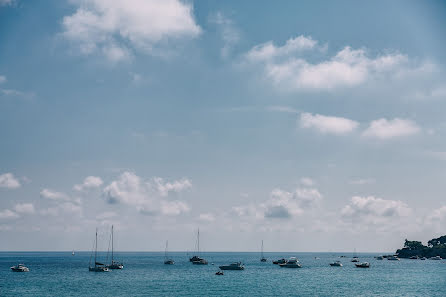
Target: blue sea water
x,y
144,274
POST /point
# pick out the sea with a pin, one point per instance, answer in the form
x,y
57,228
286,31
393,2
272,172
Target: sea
x,y
144,274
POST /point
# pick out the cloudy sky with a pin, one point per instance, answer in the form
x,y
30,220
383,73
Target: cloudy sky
x,y
314,125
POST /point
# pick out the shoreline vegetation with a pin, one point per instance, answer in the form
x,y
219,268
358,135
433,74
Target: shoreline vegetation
x,y
435,247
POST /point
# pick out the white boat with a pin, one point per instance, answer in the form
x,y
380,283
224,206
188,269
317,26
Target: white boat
x,y
423,258
291,263
262,258
280,261
393,258
355,259
197,260
20,268
363,265
435,258
336,263
114,264
233,266
98,267
167,261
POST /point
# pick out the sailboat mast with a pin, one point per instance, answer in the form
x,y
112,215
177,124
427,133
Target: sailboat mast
x,y
198,241
165,252
262,248
112,245
96,247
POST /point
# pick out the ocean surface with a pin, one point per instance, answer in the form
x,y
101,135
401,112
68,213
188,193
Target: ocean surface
x,y
144,274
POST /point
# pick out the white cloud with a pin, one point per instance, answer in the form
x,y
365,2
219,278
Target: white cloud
x,y
374,208
2,77
177,186
288,68
229,33
280,108
387,129
306,181
25,208
53,195
8,214
268,51
284,204
147,196
90,182
327,124
116,27
206,217
8,181
436,215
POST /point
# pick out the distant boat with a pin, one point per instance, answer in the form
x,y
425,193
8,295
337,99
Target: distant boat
x,y
423,258
262,258
20,268
280,261
291,263
167,261
72,253
414,258
114,264
379,258
233,266
196,260
336,263
98,267
355,257
393,258
435,258
219,273
363,265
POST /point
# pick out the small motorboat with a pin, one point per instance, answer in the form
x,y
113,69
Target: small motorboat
x,y
219,273
423,258
355,259
233,266
20,268
435,258
363,265
291,263
280,261
200,262
379,258
169,262
414,258
336,263
393,258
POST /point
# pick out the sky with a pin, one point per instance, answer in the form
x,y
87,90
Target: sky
x,y
313,125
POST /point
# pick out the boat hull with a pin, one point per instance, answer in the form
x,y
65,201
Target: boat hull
x,y
98,269
232,267
290,265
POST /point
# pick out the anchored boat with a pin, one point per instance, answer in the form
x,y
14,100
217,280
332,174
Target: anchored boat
x,y
114,264
233,266
20,268
98,267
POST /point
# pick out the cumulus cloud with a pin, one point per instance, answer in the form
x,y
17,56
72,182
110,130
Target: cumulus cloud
x,y
25,208
268,50
284,204
387,129
289,67
306,181
374,209
229,33
8,214
53,195
90,182
147,196
9,181
2,77
206,217
116,27
327,124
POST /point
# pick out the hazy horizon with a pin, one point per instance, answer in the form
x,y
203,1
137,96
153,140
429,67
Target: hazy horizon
x,y
313,125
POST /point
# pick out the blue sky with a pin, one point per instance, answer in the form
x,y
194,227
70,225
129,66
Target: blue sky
x,y
315,126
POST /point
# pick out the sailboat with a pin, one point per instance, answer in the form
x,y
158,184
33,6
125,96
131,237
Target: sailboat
x,y
355,257
73,253
262,258
114,264
196,259
98,267
166,259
